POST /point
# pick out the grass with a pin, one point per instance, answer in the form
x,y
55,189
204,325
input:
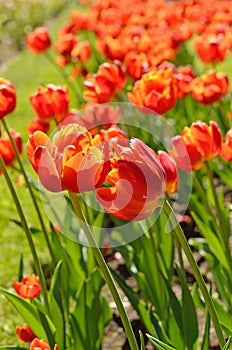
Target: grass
x,y
27,72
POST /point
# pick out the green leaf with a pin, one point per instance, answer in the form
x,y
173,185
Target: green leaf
x,y
190,321
142,341
226,346
13,347
56,306
206,340
21,267
30,314
159,344
91,314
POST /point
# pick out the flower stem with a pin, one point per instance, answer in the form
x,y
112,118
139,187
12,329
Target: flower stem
x,y
105,272
201,283
38,267
30,191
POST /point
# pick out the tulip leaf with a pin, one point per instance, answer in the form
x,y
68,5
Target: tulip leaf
x,y
226,346
56,306
31,315
13,347
159,344
206,338
142,341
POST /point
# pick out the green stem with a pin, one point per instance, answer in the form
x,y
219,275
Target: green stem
x,y
105,272
38,267
201,283
74,89
222,228
30,191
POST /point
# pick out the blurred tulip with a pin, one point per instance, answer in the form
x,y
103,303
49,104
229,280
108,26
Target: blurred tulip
x,y
41,345
25,334
157,90
196,144
226,150
37,124
210,87
6,148
50,102
136,64
137,183
81,51
171,174
65,45
72,161
108,81
29,287
39,40
7,97
211,49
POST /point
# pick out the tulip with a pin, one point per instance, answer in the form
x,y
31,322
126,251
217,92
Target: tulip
x,y
210,87
226,150
171,175
211,49
37,124
29,287
65,45
157,90
81,51
50,102
6,148
7,97
39,40
25,334
108,81
196,144
137,183
72,161
41,345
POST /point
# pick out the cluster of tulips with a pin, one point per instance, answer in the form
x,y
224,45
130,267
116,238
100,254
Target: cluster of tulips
x,y
87,149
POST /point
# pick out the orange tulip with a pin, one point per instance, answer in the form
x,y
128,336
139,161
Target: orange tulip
x,y
157,90
72,161
6,149
102,87
171,175
226,150
211,49
81,51
137,181
41,345
25,334
39,40
196,144
210,87
136,64
50,102
65,45
29,287
7,97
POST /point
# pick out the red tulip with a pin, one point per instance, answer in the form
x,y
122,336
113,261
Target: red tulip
x,y
7,97
41,345
50,102
39,40
6,149
37,124
81,51
65,45
226,150
196,144
171,175
102,86
72,161
211,49
25,334
29,287
137,181
157,90
210,87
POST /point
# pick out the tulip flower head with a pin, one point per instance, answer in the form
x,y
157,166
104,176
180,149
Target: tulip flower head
x,y
137,183
6,148
7,97
226,150
210,87
171,174
41,345
39,40
29,287
196,144
25,334
50,102
157,90
73,160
